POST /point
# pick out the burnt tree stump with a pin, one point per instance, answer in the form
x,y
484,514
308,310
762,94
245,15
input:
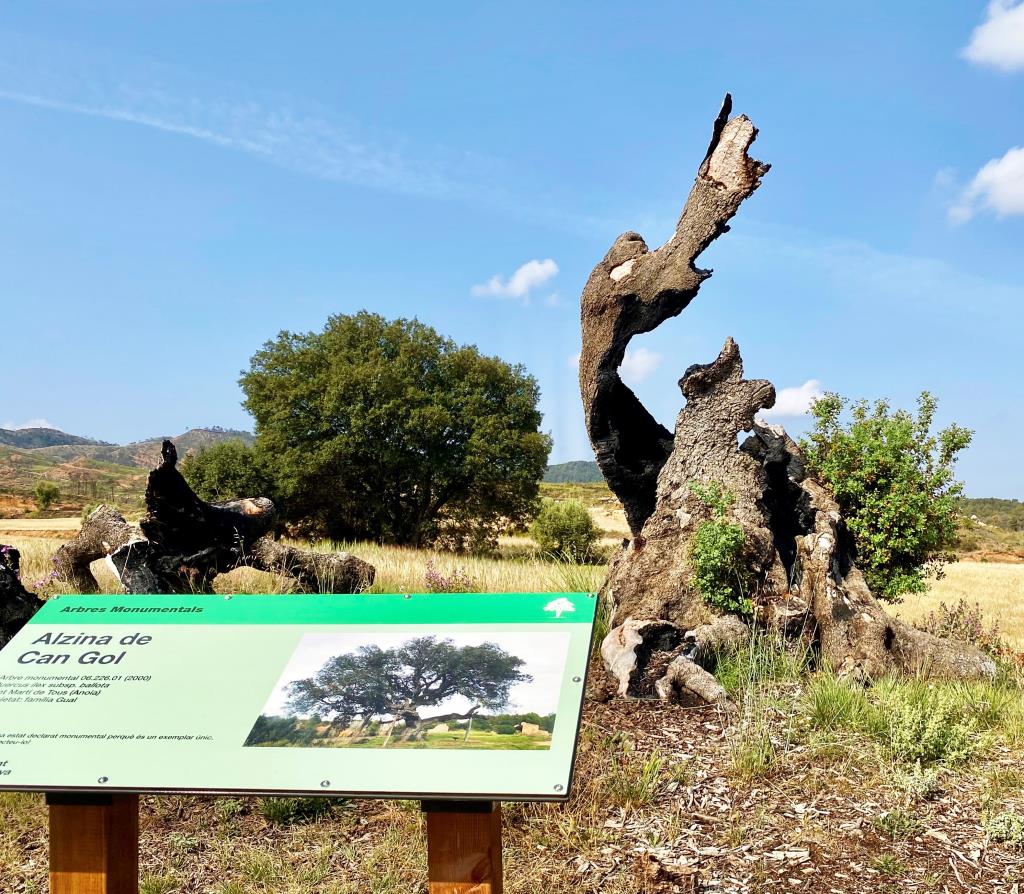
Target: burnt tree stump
x,y
17,604
183,543
797,552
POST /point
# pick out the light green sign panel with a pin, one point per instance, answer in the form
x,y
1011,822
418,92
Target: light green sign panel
x,y
422,696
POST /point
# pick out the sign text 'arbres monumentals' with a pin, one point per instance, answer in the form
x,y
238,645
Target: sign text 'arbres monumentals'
x,y
397,695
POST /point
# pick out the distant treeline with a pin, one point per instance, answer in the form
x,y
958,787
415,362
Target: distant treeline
x,y
1005,514
272,729
576,472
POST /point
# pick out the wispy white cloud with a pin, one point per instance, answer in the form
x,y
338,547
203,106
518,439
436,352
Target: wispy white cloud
x,y
998,187
519,285
31,423
793,402
302,141
638,365
999,40
287,130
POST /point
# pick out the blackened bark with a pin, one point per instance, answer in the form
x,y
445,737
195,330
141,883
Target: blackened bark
x,y
797,565
17,604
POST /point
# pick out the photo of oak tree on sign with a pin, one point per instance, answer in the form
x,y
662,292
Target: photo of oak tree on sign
x,y
426,692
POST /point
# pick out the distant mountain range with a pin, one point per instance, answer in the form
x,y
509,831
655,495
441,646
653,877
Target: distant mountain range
x,y
31,438
62,447
87,470
579,471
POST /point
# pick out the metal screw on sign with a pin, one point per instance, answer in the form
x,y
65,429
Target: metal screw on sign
x,y
558,788
577,679
407,596
102,779
227,597
325,784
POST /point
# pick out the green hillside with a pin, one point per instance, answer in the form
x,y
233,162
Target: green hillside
x,y
578,471
87,471
32,438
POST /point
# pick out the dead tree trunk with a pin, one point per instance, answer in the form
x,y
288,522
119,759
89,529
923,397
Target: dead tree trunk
x,y
183,543
17,604
103,532
797,555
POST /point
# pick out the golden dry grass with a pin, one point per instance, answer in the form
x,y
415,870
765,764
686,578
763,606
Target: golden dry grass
x,y
399,570
997,587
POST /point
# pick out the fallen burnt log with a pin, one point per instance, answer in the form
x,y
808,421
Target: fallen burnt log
x,y
798,557
17,604
183,543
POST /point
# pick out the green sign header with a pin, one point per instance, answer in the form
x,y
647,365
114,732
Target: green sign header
x,y
362,608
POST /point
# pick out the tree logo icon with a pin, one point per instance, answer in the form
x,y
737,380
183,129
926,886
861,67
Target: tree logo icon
x,y
560,605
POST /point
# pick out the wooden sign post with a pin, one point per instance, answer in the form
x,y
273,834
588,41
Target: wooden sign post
x,y
464,847
94,843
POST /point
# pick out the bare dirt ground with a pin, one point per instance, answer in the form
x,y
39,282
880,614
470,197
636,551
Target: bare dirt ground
x,y
812,824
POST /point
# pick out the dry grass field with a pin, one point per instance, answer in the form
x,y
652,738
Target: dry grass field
x,y
997,587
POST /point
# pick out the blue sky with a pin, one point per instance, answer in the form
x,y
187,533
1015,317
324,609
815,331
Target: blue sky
x,y
180,181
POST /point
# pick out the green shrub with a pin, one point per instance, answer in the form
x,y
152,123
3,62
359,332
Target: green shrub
x,y
285,811
893,480
565,529
925,724
964,622
922,784
716,554
1007,827
47,493
898,824
229,470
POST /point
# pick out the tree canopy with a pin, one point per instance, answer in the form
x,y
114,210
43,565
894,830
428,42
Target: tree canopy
x,y
385,430
228,470
893,479
397,683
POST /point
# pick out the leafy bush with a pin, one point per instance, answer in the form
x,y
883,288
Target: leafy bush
x,y
1007,827
893,480
898,824
47,493
923,784
924,724
964,622
717,554
227,471
565,529
285,811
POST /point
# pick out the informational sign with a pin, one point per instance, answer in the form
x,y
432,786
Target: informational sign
x,y
373,695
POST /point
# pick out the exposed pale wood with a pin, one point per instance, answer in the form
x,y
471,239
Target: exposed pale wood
x,y
94,847
464,849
